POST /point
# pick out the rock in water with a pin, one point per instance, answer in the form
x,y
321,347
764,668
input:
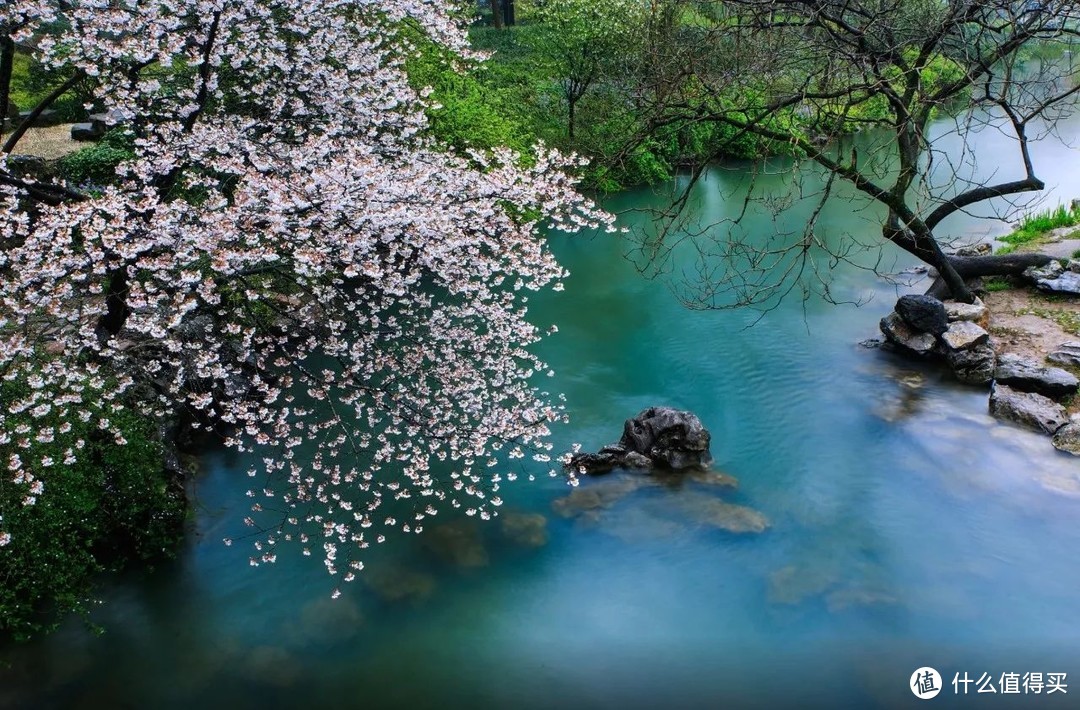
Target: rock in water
x,y
525,529
1067,438
671,438
974,250
975,366
923,313
905,338
1025,374
1066,353
1028,409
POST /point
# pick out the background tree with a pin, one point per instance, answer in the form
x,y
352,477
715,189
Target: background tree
x,y
287,256
583,42
806,74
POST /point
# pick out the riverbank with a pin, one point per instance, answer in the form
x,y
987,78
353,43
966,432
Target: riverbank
x,y
1034,325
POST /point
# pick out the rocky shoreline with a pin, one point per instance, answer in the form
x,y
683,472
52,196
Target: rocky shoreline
x,y
1029,379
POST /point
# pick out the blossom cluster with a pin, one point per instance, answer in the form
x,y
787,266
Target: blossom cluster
x,y
287,256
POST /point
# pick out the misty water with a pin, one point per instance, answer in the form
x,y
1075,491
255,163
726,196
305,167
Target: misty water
x,y
906,527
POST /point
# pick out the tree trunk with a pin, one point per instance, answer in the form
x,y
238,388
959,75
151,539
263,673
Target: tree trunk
x,y
7,63
1007,265
497,14
572,104
508,12
116,309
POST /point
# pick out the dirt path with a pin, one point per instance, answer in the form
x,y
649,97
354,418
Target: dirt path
x,y
49,143
1033,324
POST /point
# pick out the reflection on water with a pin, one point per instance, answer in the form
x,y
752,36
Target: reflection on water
x,y
882,521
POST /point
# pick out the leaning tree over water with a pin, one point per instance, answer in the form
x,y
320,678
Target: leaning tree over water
x,y
287,254
806,74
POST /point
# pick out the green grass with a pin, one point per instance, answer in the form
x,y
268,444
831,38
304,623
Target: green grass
x,y
1034,227
31,82
996,283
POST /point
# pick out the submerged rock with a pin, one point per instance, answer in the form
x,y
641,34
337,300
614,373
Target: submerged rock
x,y
707,510
925,314
1027,375
634,525
394,584
525,529
326,620
1028,409
842,599
905,338
793,584
1067,438
599,495
713,478
271,665
458,543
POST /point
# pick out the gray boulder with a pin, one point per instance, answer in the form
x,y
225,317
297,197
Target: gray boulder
x,y
964,335
84,132
1027,409
671,438
1044,273
595,464
974,250
1025,374
1066,353
923,313
1067,438
48,117
905,338
974,366
1068,283
976,312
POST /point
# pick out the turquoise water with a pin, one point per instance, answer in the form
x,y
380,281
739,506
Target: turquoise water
x,y
907,529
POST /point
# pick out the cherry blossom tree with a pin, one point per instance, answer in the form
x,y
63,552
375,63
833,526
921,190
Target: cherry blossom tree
x,y
288,256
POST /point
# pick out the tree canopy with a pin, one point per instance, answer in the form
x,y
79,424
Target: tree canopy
x,y
806,74
287,256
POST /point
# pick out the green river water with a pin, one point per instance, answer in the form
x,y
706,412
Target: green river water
x,y
907,529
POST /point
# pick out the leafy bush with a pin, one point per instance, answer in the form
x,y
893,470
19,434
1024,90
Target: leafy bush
x,y
111,505
97,163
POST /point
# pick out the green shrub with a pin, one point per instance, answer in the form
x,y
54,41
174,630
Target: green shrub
x,y
111,506
97,163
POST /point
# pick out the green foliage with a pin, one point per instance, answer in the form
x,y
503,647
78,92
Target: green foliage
x,y
97,163
1033,228
112,505
31,82
466,112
